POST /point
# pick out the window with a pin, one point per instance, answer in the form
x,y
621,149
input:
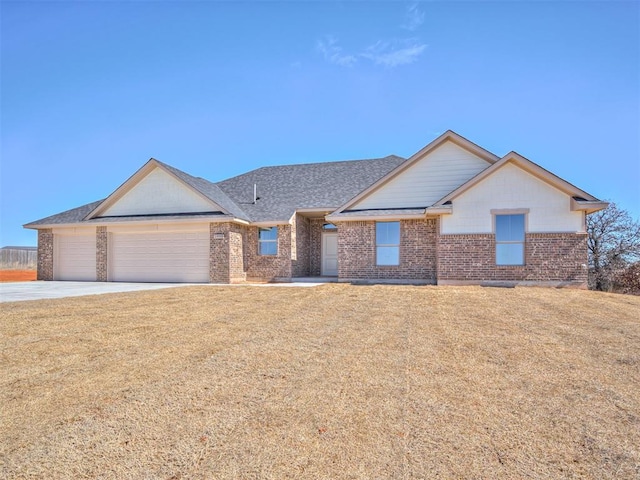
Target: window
x,y
268,241
388,243
510,239
329,226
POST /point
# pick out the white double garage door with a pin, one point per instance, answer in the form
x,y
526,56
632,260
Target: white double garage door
x,y
135,257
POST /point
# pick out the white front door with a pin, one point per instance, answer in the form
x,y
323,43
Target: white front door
x,y
330,254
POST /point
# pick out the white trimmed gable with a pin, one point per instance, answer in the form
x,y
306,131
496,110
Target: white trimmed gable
x,y
159,192
437,173
511,187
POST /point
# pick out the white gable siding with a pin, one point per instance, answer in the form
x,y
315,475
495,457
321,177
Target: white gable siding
x,y
427,180
510,187
159,192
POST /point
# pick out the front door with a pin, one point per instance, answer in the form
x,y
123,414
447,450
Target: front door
x,y
330,254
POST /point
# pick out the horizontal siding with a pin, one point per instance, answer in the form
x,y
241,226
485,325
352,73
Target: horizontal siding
x,y
75,257
510,187
157,193
427,180
159,257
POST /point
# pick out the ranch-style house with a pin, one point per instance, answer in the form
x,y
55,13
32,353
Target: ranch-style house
x,y
453,213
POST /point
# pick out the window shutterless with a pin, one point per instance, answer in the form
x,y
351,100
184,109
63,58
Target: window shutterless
x,y
510,239
387,243
268,241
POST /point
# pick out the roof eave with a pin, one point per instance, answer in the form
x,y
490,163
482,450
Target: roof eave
x,y
98,223
439,210
588,206
382,217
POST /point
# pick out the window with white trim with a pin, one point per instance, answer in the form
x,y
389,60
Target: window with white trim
x,y
510,239
387,243
268,241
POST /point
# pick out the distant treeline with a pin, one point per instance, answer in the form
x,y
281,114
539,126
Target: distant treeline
x,y
18,258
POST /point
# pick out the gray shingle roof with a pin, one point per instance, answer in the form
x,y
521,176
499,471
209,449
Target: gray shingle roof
x,y
74,215
281,190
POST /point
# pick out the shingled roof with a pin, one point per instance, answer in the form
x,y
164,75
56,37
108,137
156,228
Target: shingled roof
x,y
281,190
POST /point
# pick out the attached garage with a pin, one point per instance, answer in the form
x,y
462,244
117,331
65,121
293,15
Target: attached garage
x,y
75,257
159,256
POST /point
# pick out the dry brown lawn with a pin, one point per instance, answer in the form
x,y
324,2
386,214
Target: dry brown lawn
x,y
333,382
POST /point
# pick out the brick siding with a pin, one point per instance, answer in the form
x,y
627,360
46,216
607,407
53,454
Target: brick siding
x,y
234,258
219,253
549,257
300,244
268,267
315,246
357,252
237,239
102,249
425,255
45,254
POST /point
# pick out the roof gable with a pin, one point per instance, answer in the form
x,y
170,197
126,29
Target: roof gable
x,y
441,166
589,202
154,190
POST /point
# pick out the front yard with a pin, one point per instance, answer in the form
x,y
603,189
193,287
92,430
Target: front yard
x,y
336,381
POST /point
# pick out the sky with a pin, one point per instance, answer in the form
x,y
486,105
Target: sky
x,y
91,90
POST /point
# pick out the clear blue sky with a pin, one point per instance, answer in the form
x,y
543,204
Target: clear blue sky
x,y
92,90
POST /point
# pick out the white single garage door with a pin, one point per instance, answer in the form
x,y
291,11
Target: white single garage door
x,y
75,257
159,257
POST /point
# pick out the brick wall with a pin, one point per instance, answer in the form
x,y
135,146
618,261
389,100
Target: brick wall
x,y
237,241
219,271
300,241
549,257
268,267
315,246
357,252
45,254
102,249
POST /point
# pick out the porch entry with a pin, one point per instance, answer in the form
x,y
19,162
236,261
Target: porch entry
x,y
329,254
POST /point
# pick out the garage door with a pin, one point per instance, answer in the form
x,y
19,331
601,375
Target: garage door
x,y
159,257
75,257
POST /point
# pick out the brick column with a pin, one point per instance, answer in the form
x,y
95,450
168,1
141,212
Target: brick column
x,y
102,248
219,253
45,254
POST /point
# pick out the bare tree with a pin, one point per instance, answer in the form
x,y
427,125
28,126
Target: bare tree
x,y
613,242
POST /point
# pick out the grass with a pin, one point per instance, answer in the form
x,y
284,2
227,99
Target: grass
x,y
336,381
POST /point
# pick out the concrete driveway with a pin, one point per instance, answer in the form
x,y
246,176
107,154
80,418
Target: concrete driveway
x,y
18,291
